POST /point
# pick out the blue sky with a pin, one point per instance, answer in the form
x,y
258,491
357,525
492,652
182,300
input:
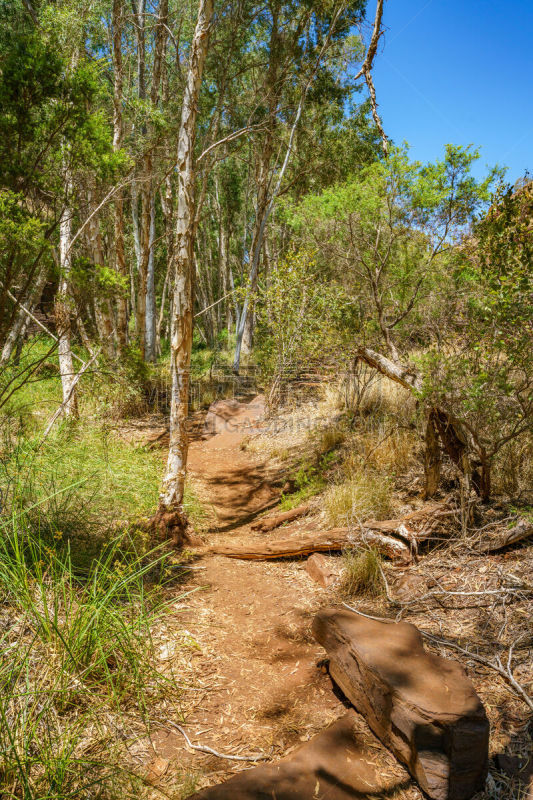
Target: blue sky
x,y
459,71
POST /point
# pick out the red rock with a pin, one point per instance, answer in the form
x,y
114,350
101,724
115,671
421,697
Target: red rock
x,y
423,707
335,765
156,769
318,569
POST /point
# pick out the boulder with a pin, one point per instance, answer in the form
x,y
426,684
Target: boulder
x,y
317,568
423,707
334,765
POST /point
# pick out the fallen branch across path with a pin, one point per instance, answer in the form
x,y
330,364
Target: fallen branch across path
x,y
318,542
201,748
396,539
269,523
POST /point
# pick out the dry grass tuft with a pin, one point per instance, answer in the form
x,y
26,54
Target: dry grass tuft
x,y
362,574
513,470
363,496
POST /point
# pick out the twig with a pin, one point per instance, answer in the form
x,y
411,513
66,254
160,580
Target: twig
x,y
366,71
36,320
497,666
209,750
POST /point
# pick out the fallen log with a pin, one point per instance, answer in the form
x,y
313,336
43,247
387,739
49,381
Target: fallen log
x,y
274,521
424,708
521,531
415,527
318,542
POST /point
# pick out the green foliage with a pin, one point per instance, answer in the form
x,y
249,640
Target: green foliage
x,y
385,235
298,316
483,373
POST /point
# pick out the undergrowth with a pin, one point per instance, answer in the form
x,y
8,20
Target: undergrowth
x,y
78,673
362,573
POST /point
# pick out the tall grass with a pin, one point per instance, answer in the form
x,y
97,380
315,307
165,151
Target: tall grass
x,y
76,656
362,573
363,495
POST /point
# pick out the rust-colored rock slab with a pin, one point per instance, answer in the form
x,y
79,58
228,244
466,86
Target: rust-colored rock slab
x,y
318,569
334,765
423,707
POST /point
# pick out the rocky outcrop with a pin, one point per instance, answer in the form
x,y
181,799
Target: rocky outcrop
x,y
423,707
334,765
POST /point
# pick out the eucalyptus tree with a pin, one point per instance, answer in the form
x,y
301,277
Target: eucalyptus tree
x,y
183,272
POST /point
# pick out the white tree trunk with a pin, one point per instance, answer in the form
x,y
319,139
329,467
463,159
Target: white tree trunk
x,y
150,310
62,311
182,314
118,131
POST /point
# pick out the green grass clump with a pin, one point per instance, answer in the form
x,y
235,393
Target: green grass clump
x,y
78,486
362,573
77,665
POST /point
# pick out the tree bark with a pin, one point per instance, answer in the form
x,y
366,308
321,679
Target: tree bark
x,y
150,325
62,311
432,458
102,305
118,132
173,485
449,429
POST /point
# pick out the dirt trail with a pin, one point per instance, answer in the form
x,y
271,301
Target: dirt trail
x,y
257,660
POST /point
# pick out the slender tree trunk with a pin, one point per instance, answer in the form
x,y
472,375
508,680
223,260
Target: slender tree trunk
x,y
102,304
146,204
150,333
167,207
263,218
134,268
62,309
173,485
118,132
432,458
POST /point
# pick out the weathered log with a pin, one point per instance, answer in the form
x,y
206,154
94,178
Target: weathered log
x,y
335,764
423,707
269,523
522,530
317,542
452,432
413,528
